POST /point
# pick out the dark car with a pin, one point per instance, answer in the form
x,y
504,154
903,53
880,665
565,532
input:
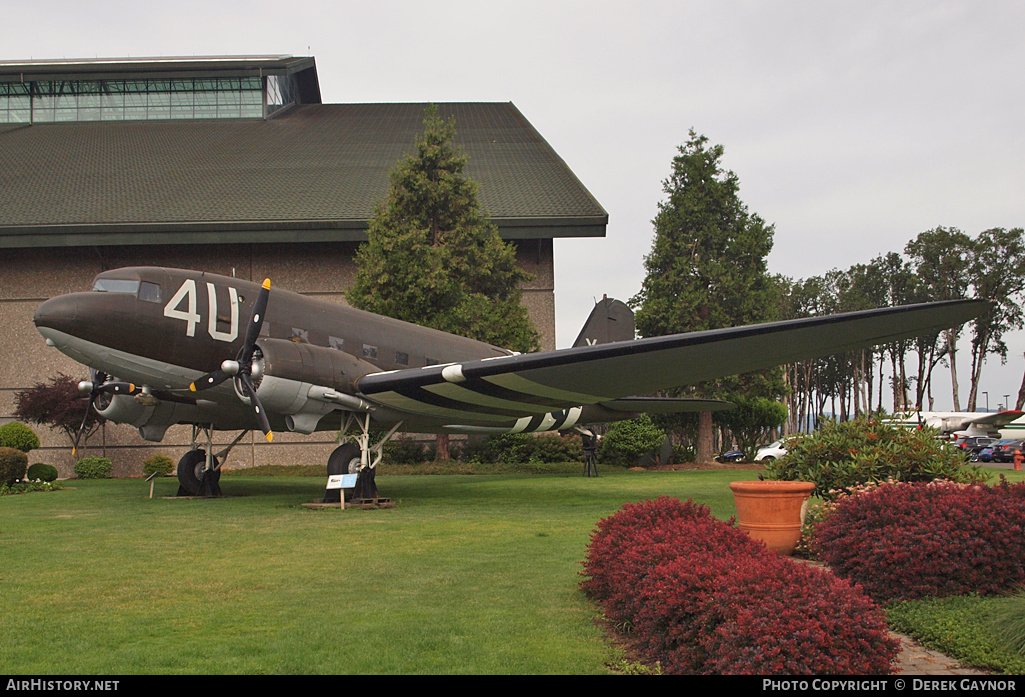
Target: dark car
x,y
971,446
986,454
730,456
1004,450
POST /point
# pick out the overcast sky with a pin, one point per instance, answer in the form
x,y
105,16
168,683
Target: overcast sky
x,y
852,126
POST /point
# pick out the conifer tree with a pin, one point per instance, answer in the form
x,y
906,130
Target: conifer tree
x,y
707,267
433,257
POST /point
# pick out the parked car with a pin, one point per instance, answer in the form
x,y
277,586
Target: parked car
x,y
772,451
730,456
1004,450
971,446
986,454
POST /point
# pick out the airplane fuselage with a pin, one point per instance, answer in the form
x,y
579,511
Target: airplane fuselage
x,y
164,328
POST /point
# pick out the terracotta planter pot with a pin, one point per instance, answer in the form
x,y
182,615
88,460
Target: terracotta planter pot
x,y
772,511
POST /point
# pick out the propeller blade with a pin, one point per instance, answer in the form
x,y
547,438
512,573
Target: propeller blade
x,y
98,377
115,388
261,417
255,323
81,429
209,380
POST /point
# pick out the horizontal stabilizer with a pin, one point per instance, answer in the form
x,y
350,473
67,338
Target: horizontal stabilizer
x,y
666,405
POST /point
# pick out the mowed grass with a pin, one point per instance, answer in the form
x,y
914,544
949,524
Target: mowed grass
x,y
466,574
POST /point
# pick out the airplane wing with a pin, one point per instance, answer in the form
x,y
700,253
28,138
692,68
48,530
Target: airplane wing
x,y
996,419
504,387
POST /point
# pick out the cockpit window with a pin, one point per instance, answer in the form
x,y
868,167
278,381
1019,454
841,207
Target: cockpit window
x,y
116,285
150,292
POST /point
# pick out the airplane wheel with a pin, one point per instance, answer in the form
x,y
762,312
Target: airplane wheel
x,y
343,460
190,471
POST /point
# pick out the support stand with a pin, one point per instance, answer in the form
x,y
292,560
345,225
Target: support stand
x,y
590,445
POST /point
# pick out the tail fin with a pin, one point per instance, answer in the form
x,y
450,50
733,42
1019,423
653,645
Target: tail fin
x,y
610,320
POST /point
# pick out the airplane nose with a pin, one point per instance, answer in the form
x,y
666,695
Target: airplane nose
x,y
57,313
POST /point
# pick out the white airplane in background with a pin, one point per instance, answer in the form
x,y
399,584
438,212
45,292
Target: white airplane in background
x,y
954,424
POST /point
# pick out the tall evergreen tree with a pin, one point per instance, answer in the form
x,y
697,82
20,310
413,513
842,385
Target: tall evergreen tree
x,y
707,267
434,257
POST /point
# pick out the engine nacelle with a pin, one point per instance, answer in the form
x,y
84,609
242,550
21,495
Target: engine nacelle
x,y
299,381
125,409
315,365
152,420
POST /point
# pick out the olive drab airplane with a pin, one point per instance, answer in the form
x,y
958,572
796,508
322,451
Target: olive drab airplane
x,y
171,346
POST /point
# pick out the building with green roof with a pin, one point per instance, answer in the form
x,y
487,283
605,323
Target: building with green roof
x,y
231,165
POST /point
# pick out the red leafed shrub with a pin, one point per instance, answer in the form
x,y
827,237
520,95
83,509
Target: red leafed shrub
x,y
703,597
627,545
911,540
904,541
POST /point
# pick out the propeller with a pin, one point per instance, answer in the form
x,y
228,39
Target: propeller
x,y
93,389
242,369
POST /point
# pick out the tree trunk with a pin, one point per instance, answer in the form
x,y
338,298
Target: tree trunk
x,y
1021,395
442,443
704,450
951,354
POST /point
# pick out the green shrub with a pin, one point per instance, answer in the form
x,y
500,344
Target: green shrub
x,y
42,472
1006,619
404,450
26,487
93,468
18,436
158,463
843,455
520,448
626,441
13,464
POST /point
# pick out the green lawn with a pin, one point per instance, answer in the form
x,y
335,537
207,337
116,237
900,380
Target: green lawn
x,y
466,574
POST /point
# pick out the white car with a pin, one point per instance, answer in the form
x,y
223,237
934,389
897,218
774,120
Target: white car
x,y
771,451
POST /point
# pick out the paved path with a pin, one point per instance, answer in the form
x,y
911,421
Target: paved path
x,y
917,660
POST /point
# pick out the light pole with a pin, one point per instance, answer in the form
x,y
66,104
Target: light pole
x,y
987,400
1006,402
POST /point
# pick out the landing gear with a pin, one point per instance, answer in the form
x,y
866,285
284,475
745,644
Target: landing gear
x,y
193,477
345,459
354,456
590,447
199,470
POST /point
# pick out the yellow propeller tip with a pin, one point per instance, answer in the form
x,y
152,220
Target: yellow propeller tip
x,y
266,283
192,387
270,437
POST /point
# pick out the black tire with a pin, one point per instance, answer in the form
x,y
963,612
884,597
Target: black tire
x,y
190,471
345,459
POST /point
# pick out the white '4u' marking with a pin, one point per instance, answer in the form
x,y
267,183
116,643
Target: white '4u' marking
x,y
191,316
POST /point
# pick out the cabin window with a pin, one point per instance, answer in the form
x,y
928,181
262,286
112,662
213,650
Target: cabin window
x,y
369,351
150,292
116,285
431,361
401,358
336,343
